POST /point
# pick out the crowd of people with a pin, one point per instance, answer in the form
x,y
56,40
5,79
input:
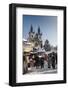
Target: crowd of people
x,y
38,60
52,60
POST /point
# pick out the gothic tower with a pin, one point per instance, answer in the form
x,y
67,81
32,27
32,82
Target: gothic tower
x,y
38,39
31,34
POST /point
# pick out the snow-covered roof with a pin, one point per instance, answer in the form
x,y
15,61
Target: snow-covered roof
x,y
24,39
40,50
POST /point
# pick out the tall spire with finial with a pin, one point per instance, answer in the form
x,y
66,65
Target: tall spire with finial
x,y
31,28
39,30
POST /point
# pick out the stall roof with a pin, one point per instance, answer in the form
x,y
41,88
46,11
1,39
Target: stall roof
x,y
41,50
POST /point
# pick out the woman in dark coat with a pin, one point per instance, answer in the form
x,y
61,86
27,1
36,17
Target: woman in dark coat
x,y
53,60
49,60
36,61
42,62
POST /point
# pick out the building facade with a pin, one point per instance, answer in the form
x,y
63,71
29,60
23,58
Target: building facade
x,y
35,37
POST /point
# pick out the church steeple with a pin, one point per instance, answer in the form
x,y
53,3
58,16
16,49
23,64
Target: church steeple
x,y
31,34
39,33
31,28
38,30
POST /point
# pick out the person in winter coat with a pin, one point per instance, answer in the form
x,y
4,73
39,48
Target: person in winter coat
x,y
42,62
53,60
36,61
49,60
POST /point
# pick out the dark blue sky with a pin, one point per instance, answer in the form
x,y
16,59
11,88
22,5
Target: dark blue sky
x,y
48,27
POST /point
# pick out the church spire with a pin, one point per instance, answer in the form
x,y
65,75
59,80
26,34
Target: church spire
x,y
31,28
39,30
